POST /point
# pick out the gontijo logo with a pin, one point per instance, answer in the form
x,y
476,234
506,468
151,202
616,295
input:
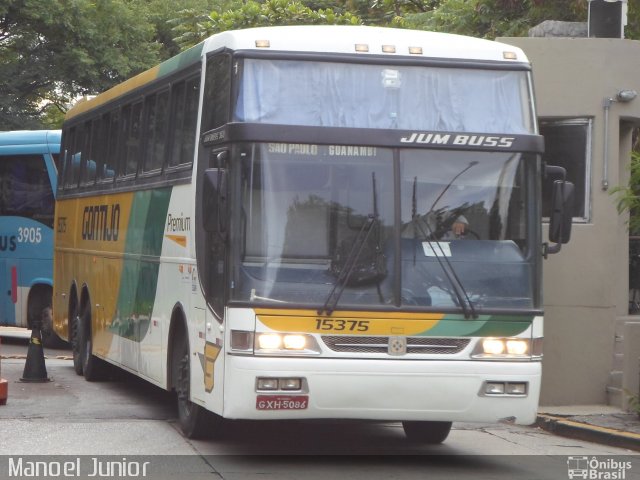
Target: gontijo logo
x,y
101,222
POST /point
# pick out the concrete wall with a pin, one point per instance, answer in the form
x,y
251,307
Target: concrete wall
x,y
586,284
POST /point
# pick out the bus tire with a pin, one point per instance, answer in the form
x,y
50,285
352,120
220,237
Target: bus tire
x,y
74,337
427,432
93,368
195,421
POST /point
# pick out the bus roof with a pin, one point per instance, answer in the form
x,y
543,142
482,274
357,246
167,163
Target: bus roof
x,y
338,39
344,38
34,138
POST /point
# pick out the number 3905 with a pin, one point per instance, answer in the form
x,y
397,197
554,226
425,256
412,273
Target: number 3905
x,y
29,235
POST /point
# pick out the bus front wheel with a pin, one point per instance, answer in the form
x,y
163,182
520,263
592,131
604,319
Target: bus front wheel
x,y
195,421
427,432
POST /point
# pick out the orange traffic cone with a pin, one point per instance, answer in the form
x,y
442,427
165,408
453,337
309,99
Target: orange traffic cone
x,y
4,389
34,368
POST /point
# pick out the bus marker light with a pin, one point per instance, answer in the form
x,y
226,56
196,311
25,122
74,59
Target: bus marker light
x,y
388,48
415,50
362,47
242,340
510,55
263,44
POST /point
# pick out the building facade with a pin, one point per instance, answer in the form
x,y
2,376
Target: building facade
x,y
592,345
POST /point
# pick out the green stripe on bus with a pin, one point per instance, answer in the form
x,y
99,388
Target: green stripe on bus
x,y
483,326
140,275
181,60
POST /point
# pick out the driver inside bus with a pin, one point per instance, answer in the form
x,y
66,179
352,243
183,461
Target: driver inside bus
x,y
436,225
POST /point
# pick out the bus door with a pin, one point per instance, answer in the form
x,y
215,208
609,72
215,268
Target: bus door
x,y
6,305
212,258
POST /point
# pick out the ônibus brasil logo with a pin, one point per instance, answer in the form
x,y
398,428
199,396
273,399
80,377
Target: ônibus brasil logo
x,y
597,469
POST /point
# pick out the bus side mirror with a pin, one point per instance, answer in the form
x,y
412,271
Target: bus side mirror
x,y
562,199
214,200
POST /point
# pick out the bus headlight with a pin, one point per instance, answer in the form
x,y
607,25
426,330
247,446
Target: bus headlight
x,y
285,343
269,341
507,349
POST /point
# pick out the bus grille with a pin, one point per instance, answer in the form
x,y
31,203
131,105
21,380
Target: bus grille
x,y
416,345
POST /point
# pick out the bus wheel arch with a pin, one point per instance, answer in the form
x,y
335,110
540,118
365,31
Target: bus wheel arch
x,y
194,420
177,330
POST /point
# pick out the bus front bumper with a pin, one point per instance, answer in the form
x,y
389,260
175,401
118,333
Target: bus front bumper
x,y
459,391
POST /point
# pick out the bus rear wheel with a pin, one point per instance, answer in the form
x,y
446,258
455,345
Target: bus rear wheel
x,y
427,432
74,339
93,368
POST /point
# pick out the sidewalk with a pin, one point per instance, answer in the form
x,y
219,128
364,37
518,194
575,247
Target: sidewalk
x,y
594,423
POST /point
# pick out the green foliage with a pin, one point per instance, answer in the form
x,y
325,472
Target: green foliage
x,y
492,18
628,198
195,27
56,50
52,51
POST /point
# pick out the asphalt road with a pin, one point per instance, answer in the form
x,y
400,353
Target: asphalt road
x,y
125,422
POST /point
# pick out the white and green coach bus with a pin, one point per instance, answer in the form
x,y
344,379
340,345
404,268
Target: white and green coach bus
x,y
315,222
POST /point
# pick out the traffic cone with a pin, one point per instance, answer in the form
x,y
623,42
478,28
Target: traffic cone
x,y
4,388
34,369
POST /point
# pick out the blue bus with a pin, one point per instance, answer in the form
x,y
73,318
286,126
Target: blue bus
x,y
28,180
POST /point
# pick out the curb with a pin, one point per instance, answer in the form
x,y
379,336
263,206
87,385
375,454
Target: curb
x,y
591,433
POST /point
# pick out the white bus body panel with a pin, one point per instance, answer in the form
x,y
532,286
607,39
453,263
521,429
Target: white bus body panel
x,y
387,389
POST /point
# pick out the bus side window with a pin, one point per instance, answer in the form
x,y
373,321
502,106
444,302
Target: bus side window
x,y
123,137
72,162
108,171
91,149
133,140
157,119
215,106
184,112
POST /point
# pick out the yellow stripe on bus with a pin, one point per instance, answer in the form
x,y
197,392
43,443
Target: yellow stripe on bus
x,y
115,92
348,322
179,239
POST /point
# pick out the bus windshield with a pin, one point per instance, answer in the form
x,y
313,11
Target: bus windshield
x,y
377,224
333,94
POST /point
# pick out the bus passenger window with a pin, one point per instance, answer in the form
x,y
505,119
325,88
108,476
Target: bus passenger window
x,y
184,112
89,161
133,140
108,169
72,161
156,111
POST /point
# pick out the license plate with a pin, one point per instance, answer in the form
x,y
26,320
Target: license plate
x,y
282,402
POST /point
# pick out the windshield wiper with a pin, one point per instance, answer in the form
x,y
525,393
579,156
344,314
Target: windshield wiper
x,y
351,262
441,257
